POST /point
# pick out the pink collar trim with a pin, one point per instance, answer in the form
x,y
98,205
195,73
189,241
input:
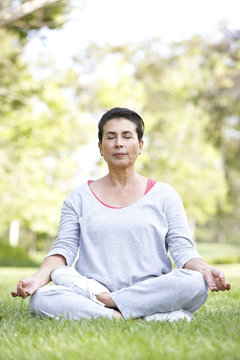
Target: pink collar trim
x,y
150,184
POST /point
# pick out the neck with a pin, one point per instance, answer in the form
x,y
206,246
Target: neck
x,y
122,177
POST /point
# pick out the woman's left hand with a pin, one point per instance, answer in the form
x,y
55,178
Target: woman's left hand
x,y
214,277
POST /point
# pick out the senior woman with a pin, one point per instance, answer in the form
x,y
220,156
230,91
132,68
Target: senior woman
x,y
123,225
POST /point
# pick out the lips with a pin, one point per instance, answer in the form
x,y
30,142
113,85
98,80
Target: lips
x,y
119,154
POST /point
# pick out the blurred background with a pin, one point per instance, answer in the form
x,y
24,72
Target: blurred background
x,y
64,63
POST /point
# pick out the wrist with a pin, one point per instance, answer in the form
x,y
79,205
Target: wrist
x,y
42,279
197,264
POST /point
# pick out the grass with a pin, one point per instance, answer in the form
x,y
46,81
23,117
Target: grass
x,y
214,335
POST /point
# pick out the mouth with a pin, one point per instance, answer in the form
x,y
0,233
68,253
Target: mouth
x,y
119,155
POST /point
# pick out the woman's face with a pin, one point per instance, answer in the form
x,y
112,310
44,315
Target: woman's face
x,y
120,146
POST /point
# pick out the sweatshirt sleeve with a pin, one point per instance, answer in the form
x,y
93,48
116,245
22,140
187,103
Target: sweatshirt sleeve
x,y
178,238
67,241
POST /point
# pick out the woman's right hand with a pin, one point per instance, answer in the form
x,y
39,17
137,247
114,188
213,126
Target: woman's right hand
x,y
26,287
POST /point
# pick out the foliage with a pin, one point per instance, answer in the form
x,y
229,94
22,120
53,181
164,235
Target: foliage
x,y
32,15
218,94
188,95
41,132
17,256
219,253
175,148
214,334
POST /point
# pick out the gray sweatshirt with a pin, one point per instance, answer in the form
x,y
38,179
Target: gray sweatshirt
x,y
120,247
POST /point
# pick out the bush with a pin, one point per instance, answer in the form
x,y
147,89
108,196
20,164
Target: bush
x,y
219,253
15,256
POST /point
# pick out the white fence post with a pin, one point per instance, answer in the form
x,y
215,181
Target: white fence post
x,y
14,233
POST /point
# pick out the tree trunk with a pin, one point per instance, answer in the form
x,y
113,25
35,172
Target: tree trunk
x,y
7,17
33,243
192,225
14,233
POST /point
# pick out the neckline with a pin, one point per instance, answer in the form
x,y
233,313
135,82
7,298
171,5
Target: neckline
x,y
150,185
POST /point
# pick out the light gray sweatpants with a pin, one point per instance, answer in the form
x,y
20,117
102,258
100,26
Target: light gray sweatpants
x,y
180,289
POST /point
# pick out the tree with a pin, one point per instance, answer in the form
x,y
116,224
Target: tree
x,y
188,93
160,87
217,95
40,129
30,15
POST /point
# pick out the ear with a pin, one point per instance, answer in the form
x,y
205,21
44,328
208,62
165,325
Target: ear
x,y
141,146
100,148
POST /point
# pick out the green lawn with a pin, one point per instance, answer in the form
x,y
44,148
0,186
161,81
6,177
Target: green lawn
x,y
215,334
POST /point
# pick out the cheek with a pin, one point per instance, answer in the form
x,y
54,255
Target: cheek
x,y
135,150
106,150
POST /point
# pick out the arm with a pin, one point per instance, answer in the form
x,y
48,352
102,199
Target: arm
x,y
214,277
181,247
178,238
30,285
49,263
63,252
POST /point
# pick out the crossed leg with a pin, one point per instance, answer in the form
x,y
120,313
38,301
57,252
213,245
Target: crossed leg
x,y
180,289
58,301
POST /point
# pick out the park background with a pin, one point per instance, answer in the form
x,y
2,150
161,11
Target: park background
x,y
62,65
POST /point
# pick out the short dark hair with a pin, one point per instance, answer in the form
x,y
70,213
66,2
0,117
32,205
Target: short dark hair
x,y
117,113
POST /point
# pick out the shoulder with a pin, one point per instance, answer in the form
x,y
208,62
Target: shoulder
x,y
77,194
165,190
168,197
77,199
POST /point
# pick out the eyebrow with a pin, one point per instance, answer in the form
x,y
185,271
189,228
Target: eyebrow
x,y
123,132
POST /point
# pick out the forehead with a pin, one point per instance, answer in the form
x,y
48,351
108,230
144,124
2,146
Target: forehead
x,y
119,124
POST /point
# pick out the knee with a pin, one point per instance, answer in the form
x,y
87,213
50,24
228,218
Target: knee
x,y
36,302
198,283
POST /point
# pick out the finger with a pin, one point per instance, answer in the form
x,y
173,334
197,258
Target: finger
x,y
20,290
212,286
26,286
220,274
222,283
19,286
29,290
16,293
218,284
21,293
225,285
210,281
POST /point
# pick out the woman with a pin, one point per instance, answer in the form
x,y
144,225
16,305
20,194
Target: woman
x,y
123,225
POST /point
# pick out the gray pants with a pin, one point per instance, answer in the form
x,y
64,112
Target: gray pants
x,y
180,289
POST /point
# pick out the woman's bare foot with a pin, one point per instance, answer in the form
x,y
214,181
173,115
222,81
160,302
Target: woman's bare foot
x,y
105,298
117,315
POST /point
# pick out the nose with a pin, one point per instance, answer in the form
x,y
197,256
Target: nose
x,y
118,143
